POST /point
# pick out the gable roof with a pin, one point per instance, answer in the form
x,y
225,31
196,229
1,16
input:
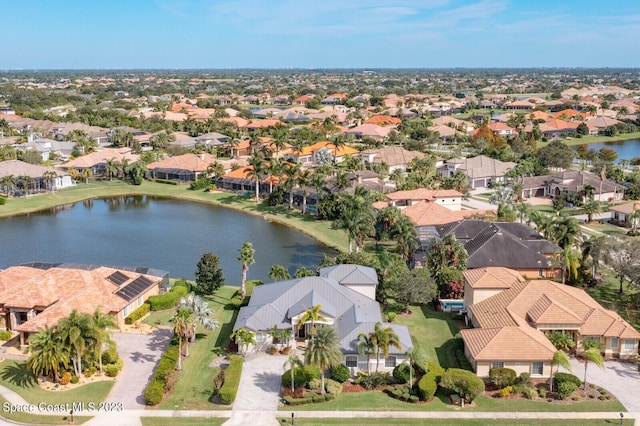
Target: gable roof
x,y
20,168
492,277
102,156
482,166
507,344
393,155
191,162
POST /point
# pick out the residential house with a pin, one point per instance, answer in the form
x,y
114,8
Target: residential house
x,y
46,147
44,178
449,198
520,105
395,157
181,168
346,296
369,130
97,161
212,139
573,182
482,283
315,152
510,327
481,171
37,295
625,214
336,98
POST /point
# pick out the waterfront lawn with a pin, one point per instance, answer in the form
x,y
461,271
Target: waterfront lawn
x,y
452,422
595,139
35,419
433,332
608,229
379,401
159,317
183,421
194,387
320,230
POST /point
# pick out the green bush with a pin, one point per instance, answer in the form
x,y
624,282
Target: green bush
x,y
315,384
299,378
530,392
168,300
3,200
5,335
202,183
435,368
463,382
137,180
90,371
111,370
167,181
401,373
165,372
567,377
340,373
232,374
74,379
542,392
502,377
413,399
110,356
312,372
565,389
373,380
523,378
428,385
153,393
333,387
137,314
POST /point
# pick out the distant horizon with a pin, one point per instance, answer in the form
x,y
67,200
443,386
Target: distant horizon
x,y
332,34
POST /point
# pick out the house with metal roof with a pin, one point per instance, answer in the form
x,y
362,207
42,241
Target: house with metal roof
x,y
346,295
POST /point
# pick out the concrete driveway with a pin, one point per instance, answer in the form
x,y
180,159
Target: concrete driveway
x,y
259,390
619,378
140,353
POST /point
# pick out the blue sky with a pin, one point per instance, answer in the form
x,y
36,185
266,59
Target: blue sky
x,y
72,34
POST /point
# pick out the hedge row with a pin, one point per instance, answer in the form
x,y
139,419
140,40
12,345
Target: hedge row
x,y
309,399
168,300
232,374
301,375
3,200
167,181
164,376
137,314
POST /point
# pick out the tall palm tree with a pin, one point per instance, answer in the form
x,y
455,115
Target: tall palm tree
x,y
593,247
592,207
292,363
48,353
111,168
560,359
246,258
279,272
366,347
255,172
406,235
182,324
592,355
311,315
323,350
244,337
303,181
565,231
102,323
78,334
384,338
86,173
49,179
570,261
202,314
291,176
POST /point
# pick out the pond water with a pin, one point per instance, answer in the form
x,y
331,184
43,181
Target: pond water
x,y
144,231
626,149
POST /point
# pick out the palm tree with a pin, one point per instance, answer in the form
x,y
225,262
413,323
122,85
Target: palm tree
x,y
593,247
411,356
255,171
291,176
111,168
48,353
9,183
85,174
592,207
323,351
182,324
293,362
565,230
570,260
279,272
384,338
215,169
244,337
366,346
78,333
246,258
406,236
102,323
561,359
303,180
49,179
592,355
74,173
202,314
311,315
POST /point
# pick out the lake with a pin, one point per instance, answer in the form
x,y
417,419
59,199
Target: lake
x,y
154,232
626,149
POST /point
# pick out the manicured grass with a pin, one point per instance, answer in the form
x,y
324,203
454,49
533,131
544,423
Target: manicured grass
x,y
35,419
183,421
159,317
453,422
320,230
607,293
608,229
194,387
433,332
595,139
15,376
379,401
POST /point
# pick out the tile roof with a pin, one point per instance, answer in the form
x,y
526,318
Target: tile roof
x,y
191,162
393,155
482,166
20,168
509,343
492,277
626,208
424,194
426,213
102,156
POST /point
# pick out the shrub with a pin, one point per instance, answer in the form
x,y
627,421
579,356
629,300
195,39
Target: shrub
x,y
286,350
505,391
463,382
413,399
74,379
542,392
168,300
401,373
312,372
229,389
153,393
90,371
273,350
340,373
567,377
299,378
110,356
391,316
111,370
565,389
502,377
435,368
530,392
66,378
137,314
373,380
428,385
202,183
165,372
3,200
523,378
168,182
315,384
5,335
333,387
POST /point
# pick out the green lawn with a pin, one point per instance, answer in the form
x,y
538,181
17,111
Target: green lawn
x,y
15,376
320,230
183,421
452,422
159,318
194,387
596,139
35,419
379,401
433,332
608,229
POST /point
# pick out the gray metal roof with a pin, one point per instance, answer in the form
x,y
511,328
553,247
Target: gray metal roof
x,y
349,340
350,274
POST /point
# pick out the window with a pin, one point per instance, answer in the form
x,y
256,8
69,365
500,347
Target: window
x,y
629,344
259,337
540,272
614,342
497,364
537,368
390,362
352,361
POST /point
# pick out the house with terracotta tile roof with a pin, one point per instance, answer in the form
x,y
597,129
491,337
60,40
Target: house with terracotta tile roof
x,y
371,130
482,283
335,98
395,157
261,124
428,214
302,100
383,120
481,171
311,153
572,182
18,169
182,168
520,105
37,295
510,326
449,198
97,161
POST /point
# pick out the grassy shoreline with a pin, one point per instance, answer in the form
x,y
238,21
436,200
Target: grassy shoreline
x,y
586,140
307,224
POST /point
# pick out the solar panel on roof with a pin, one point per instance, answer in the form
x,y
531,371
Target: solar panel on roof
x,y
134,288
118,278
